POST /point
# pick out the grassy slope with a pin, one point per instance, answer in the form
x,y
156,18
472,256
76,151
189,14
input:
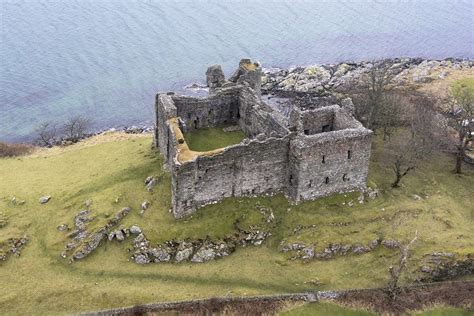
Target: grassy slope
x,y
103,171
206,139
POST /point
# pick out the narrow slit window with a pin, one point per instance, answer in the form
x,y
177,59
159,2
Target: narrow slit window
x,y
349,154
345,178
306,131
326,180
324,159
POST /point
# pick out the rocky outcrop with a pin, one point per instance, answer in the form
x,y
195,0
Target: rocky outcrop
x,y
441,266
195,251
83,242
306,252
325,79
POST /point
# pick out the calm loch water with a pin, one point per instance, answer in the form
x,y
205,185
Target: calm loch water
x,y
106,59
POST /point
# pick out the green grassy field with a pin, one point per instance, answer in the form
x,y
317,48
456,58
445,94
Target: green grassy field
x,y
107,170
206,139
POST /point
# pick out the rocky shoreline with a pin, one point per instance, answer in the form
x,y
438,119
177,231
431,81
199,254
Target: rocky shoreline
x,y
323,79
327,82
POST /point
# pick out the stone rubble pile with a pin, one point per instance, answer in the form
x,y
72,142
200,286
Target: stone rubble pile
x,y
83,241
12,246
307,252
195,251
441,266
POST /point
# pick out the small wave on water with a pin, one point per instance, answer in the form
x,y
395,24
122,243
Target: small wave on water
x,y
107,59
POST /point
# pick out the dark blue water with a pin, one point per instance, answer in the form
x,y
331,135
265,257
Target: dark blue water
x,y
107,59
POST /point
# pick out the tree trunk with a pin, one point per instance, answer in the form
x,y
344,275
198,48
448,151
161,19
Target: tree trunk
x,y
459,158
396,183
460,153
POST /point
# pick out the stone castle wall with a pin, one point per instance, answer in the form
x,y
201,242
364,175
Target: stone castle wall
x,y
256,167
316,153
328,163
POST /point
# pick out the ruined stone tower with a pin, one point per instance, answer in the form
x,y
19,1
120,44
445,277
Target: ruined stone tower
x,y
311,153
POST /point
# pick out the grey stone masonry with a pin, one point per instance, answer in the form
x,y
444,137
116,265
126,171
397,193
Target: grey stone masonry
x,y
312,154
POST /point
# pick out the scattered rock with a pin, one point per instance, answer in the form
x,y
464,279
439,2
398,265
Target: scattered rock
x,y
160,254
12,246
372,193
373,244
144,206
88,203
142,259
185,250
135,230
151,184
148,179
45,199
204,254
62,227
291,247
119,235
416,197
360,249
390,244
308,253
81,219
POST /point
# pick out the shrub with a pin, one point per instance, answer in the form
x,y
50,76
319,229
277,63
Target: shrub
x,y
14,150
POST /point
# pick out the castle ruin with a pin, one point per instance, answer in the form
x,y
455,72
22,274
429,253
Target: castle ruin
x,y
305,155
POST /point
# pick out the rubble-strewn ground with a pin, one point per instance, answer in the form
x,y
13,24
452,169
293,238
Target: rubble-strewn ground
x,y
110,171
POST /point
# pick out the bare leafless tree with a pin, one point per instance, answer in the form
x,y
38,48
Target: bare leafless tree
x,y
395,272
76,127
389,114
461,119
405,153
46,132
372,98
